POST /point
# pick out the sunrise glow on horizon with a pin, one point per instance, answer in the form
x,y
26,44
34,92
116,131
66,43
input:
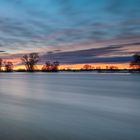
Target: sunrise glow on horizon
x,y
72,32
69,69
80,66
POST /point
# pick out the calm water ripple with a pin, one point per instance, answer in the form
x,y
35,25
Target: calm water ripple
x,y
69,106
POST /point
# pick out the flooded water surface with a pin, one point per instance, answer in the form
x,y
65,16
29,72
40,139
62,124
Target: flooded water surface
x,y
69,106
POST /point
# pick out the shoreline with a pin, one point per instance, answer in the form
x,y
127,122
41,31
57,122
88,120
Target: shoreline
x,y
77,71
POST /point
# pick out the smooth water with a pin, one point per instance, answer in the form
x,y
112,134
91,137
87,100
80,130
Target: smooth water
x,y
69,106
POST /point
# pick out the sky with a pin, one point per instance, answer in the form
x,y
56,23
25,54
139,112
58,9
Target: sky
x,y
70,31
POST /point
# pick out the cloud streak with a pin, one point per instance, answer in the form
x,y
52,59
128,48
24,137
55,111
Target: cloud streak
x,y
66,25
107,54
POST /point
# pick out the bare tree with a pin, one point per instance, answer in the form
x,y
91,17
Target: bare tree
x,y
135,64
50,67
0,64
8,66
47,66
55,66
87,67
30,61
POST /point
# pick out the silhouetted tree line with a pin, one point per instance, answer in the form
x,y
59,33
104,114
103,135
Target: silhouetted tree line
x,y
87,67
134,66
30,61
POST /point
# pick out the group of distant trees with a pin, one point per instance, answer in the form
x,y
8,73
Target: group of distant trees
x,y
30,61
134,65
53,67
8,66
88,67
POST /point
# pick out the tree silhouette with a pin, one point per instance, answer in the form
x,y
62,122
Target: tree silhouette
x,y
8,66
0,64
135,64
87,67
47,66
113,68
50,67
30,61
55,66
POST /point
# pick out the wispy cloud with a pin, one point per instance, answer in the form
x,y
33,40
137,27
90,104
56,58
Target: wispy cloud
x,y
110,54
66,25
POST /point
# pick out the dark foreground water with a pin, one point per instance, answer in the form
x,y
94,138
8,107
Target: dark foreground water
x,y
61,106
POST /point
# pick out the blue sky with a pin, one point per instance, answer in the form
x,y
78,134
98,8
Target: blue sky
x,y
71,31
